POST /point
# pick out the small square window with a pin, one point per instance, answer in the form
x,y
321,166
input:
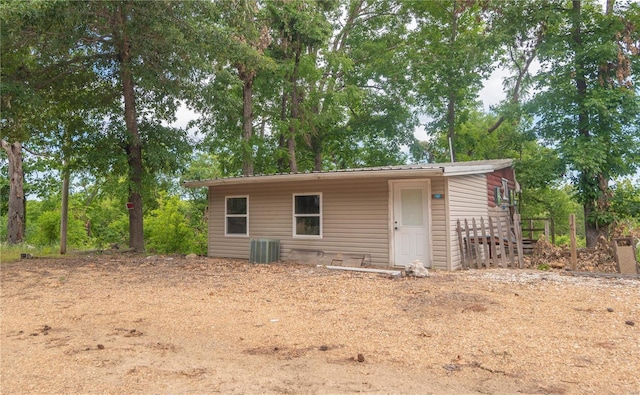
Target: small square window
x,y
236,216
307,215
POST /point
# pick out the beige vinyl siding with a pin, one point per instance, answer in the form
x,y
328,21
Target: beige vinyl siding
x,y
354,215
356,209
467,199
438,224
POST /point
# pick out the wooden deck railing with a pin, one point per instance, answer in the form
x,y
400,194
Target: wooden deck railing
x,y
491,242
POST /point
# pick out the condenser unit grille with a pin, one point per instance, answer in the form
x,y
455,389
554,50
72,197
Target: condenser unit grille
x,y
264,251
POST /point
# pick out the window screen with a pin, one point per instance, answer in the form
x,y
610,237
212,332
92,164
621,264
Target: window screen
x,y
237,216
307,215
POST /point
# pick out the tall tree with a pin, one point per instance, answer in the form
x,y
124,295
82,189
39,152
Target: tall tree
x,y
248,25
35,65
300,28
353,93
16,94
148,51
16,218
450,59
361,103
588,105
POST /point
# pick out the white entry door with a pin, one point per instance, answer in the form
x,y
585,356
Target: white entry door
x,y
410,222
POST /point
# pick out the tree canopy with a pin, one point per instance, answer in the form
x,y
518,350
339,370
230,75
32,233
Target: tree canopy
x,y
90,91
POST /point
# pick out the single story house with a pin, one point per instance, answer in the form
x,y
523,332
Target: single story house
x,y
382,217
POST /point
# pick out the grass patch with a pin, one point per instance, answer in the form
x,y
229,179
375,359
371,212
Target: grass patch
x,y
13,252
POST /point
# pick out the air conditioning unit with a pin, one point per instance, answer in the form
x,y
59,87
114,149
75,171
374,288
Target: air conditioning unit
x,y
264,251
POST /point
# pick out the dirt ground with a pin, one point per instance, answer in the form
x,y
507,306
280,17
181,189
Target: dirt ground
x,y
118,324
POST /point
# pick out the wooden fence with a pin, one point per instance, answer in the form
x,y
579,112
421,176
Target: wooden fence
x,y
533,229
491,242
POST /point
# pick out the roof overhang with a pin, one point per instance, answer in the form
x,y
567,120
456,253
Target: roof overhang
x,y
404,171
464,170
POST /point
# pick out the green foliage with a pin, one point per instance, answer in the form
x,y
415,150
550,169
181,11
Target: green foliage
x,y
625,202
47,231
539,167
553,203
344,81
109,222
175,226
450,56
562,240
565,240
474,143
168,228
587,106
3,227
355,106
198,221
544,267
80,60
201,167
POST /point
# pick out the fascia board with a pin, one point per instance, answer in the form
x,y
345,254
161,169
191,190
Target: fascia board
x,y
299,177
467,170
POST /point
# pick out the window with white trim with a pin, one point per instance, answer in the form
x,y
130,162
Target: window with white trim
x,y
236,216
307,215
505,189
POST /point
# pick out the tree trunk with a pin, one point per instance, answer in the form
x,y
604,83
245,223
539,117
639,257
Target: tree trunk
x,y
64,210
609,7
451,99
580,77
247,121
247,76
66,174
594,228
591,232
451,123
16,215
291,147
134,146
282,143
591,208
295,111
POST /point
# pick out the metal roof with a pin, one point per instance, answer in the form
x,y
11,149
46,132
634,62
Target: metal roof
x,y
415,170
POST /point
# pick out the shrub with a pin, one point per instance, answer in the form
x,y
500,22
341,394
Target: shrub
x,y
167,227
47,231
109,223
565,240
3,228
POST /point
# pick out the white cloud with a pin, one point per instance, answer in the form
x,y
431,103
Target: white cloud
x,y
492,92
183,116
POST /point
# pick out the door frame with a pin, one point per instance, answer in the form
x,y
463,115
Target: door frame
x,y
427,200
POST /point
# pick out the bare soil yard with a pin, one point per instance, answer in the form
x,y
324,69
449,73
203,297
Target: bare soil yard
x,y
130,324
